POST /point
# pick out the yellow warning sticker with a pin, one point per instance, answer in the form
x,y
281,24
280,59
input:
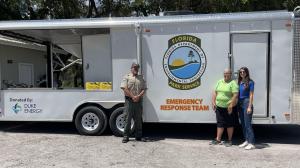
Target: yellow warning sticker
x,y
107,86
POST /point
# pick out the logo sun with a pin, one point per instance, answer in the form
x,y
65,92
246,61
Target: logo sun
x,y
178,62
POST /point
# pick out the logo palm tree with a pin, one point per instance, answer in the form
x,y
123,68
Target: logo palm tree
x,y
191,55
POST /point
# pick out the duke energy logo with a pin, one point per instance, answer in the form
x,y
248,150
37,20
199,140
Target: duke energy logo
x,y
184,62
17,108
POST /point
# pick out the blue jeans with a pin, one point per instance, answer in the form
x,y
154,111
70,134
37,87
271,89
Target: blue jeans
x,y
246,120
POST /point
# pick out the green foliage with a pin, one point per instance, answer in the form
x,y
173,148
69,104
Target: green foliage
x,y
10,10
61,9
41,9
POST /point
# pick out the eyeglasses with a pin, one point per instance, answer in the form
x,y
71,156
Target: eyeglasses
x,y
242,72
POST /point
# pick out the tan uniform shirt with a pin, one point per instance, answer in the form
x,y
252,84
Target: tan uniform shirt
x,y
135,84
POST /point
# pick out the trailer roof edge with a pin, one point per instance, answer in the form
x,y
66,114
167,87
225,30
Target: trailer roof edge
x,y
130,21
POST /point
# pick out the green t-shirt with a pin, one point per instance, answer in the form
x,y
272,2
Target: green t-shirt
x,y
225,92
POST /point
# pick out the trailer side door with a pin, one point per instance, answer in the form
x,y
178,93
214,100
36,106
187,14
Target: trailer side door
x,y
251,50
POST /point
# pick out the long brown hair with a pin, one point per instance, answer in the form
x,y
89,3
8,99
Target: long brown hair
x,y
247,78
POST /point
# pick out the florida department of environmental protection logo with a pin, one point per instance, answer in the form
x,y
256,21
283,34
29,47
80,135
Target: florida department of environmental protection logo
x,y
184,62
16,108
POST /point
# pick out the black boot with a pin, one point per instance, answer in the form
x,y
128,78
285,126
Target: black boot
x,y
125,140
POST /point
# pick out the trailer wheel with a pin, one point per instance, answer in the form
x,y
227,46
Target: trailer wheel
x,y
91,121
117,122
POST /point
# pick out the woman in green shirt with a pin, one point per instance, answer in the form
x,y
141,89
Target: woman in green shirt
x,y
224,102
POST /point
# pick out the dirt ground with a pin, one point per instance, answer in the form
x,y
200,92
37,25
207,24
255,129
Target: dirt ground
x,y
168,146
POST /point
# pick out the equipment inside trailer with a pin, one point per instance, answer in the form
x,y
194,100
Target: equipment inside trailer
x,y
58,59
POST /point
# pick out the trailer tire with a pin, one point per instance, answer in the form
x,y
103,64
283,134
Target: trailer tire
x,y
91,120
117,122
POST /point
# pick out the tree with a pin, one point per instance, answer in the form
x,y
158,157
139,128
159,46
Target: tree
x,y
9,10
122,8
61,9
92,6
41,9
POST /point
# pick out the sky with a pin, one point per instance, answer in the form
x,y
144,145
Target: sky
x,y
182,53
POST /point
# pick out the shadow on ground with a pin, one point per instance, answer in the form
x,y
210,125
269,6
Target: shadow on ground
x,y
281,134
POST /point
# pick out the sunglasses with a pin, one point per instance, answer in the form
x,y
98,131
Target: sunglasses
x,y
242,72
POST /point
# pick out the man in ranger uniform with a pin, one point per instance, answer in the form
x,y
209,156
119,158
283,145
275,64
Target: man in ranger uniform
x,y
134,87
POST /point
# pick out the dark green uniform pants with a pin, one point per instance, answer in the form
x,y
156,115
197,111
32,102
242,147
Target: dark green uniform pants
x,y
133,110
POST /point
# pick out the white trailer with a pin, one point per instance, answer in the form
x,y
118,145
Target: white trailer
x,y
182,57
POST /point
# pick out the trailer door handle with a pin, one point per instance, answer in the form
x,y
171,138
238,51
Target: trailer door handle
x,y
230,61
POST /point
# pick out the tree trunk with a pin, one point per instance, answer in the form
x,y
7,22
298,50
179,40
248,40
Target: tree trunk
x,y
92,6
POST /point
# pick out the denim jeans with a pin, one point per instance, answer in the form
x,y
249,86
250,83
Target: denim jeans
x,y
246,120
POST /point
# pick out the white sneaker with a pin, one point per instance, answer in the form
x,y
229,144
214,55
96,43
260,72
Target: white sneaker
x,y
243,144
249,147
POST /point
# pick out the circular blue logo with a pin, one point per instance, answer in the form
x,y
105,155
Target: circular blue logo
x,y
16,108
184,62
